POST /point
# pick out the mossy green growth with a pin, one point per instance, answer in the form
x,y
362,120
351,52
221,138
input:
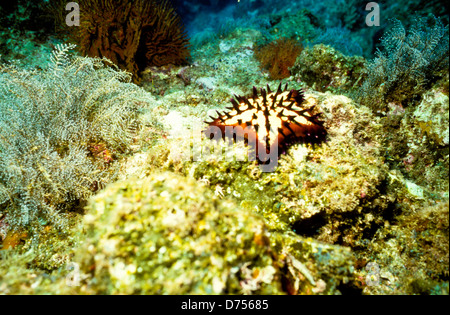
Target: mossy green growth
x,y
18,276
166,234
326,69
413,254
313,267
40,265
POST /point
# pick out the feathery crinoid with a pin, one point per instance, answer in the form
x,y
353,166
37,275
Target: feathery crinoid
x,y
62,131
409,63
269,122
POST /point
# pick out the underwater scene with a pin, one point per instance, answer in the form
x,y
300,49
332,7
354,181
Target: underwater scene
x,y
217,147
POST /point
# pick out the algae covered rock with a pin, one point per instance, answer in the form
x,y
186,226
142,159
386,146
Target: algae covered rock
x,y
313,267
326,69
432,116
166,234
427,132
417,245
416,141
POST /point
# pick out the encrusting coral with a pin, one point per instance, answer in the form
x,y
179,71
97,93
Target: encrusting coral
x,y
167,234
132,34
417,244
417,141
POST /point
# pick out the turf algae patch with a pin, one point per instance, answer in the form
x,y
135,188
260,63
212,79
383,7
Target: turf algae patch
x,y
166,234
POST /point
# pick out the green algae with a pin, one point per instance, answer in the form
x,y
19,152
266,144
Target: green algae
x,y
432,116
416,142
40,265
168,235
313,267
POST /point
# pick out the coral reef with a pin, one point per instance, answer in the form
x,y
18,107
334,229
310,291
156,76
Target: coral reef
x,y
329,15
417,244
23,33
170,212
330,192
133,34
278,56
417,141
24,16
18,268
41,266
222,68
312,267
172,243
432,116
